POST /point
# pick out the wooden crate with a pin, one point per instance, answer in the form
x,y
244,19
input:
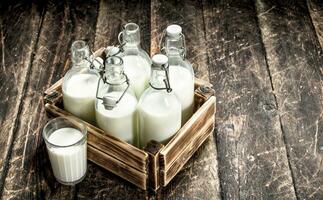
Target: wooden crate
x,y
157,164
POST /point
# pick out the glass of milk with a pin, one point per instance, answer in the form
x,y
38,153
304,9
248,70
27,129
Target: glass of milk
x,y
116,104
79,84
136,61
159,109
66,142
181,73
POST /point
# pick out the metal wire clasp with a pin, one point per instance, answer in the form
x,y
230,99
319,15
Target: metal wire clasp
x,y
109,102
166,81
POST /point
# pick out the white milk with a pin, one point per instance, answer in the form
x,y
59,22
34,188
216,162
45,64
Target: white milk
x,y
79,96
138,71
68,163
121,121
182,83
159,117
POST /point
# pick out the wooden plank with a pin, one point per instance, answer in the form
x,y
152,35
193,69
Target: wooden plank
x,y
115,166
16,57
113,146
253,163
26,175
315,8
295,60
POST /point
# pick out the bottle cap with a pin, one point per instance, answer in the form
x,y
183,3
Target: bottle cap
x,y
173,30
159,59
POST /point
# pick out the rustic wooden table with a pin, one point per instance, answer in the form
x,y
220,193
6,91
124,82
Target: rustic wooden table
x,y
264,59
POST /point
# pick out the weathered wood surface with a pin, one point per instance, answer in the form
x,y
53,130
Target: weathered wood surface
x,y
263,58
25,18
295,63
253,163
315,8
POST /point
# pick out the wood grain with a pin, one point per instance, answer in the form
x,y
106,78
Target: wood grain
x,y
295,63
253,163
61,24
315,8
113,14
16,58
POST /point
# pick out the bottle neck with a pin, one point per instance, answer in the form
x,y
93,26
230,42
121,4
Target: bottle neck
x,y
130,36
157,78
175,46
114,70
80,52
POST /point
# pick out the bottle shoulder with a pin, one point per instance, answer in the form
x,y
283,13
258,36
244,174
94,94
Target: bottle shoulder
x,y
81,76
160,98
179,62
136,52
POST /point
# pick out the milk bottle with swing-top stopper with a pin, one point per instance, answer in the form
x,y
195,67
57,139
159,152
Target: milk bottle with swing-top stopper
x,y
79,84
181,73
116,104
136,61
159,109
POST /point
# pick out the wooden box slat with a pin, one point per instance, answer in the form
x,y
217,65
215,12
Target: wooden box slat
x,y
187,133
153,149
168,173
119,168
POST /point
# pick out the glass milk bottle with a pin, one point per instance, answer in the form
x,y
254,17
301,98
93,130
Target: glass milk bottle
x,y
159,109
79,84
136,61
116,104
181,73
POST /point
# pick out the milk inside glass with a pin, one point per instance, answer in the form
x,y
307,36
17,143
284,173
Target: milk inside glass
x,y
136,61
121,121
181,73
80,83
68,163
67,149
159,109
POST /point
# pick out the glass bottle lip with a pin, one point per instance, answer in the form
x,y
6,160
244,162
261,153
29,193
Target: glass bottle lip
x,y
114,60
79,125
79,50
131,27
79,44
